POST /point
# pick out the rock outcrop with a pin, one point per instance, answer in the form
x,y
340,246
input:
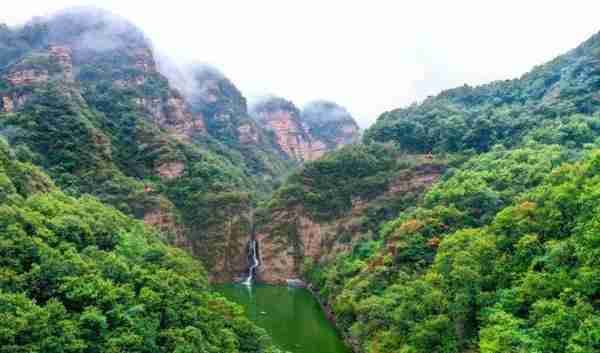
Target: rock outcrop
x,y
20,77
54,64
163,218
224,247
170,170
282,117
290,236
330,123
63,56
305,136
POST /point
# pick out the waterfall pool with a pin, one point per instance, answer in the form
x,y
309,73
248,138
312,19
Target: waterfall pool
x,y
291,316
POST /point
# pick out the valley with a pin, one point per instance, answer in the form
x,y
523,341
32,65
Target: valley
x,y
290,315
150,208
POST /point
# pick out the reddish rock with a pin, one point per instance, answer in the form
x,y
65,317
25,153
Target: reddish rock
x,y
170,170
248,134
63,56
306,138
7,104
291,136
291,235
165,222
27,77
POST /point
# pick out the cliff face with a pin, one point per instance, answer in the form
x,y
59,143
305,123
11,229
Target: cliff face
x,y
166,105
290,236
53,64
227,121
86,99
305,136
330,123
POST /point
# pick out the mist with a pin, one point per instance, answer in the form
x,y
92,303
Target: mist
x,y
367,57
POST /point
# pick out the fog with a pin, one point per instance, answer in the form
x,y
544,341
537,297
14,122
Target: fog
x,y
366,56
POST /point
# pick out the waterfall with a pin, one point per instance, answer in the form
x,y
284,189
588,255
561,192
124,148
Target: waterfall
x,y
252,255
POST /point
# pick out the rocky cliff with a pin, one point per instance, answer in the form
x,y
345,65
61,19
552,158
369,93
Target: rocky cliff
x,y
85,99
82,96
330,123
291,236
306,135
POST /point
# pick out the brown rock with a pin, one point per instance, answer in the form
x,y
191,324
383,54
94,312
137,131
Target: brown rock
x,y
27,77
247,134
170,170
63,56
291,235
166,223
7,104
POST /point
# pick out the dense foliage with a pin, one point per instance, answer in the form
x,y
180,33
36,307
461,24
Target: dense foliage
x,y
97,133
482,263
499,255
78,276
326,187
502,112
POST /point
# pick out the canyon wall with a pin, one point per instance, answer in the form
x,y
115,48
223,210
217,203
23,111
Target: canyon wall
x,y
303,135
288,237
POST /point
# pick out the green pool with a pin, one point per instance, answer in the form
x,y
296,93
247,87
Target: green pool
x,y
290,315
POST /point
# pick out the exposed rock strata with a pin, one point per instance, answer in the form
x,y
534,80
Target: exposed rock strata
x,y
305,137
291,235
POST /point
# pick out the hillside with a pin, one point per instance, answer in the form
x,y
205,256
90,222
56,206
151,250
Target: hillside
x,y
82,96
484,245
502,112
307,134
79,276
465,223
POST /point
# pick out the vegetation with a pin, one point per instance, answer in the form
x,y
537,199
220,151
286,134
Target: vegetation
x,y
444,281
498,256
78,276
503,112
93,137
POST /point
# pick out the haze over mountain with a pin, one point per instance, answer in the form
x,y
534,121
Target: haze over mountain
x,y
134,188
368,57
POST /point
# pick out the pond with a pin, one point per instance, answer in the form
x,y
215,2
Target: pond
x,y
291,316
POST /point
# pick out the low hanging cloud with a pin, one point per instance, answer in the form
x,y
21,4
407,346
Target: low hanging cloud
x,y
368,57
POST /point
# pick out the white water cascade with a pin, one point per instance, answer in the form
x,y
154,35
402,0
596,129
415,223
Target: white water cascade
x,y
253,262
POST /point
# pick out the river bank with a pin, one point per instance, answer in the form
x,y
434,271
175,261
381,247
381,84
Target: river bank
x,y
328,311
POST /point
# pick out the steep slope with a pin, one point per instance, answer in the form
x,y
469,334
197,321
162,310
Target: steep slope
x,y
325,209
306,135
330,123
502,112
79,276
82,97
494,256
224,109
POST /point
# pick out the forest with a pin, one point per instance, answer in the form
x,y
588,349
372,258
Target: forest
x,y
468,222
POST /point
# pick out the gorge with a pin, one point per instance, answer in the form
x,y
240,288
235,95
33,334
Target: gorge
x,y
149,208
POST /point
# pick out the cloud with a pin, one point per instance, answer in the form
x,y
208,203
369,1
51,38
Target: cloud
x,y
367,56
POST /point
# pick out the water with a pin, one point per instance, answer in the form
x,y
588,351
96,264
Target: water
x,y
291,316
253,265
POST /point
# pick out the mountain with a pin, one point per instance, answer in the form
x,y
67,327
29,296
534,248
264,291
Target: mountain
x,y
80,276
465,223
461,224
308,134
83,96
330,123
502,112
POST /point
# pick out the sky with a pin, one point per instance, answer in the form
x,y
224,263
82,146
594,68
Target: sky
x,y
369,56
